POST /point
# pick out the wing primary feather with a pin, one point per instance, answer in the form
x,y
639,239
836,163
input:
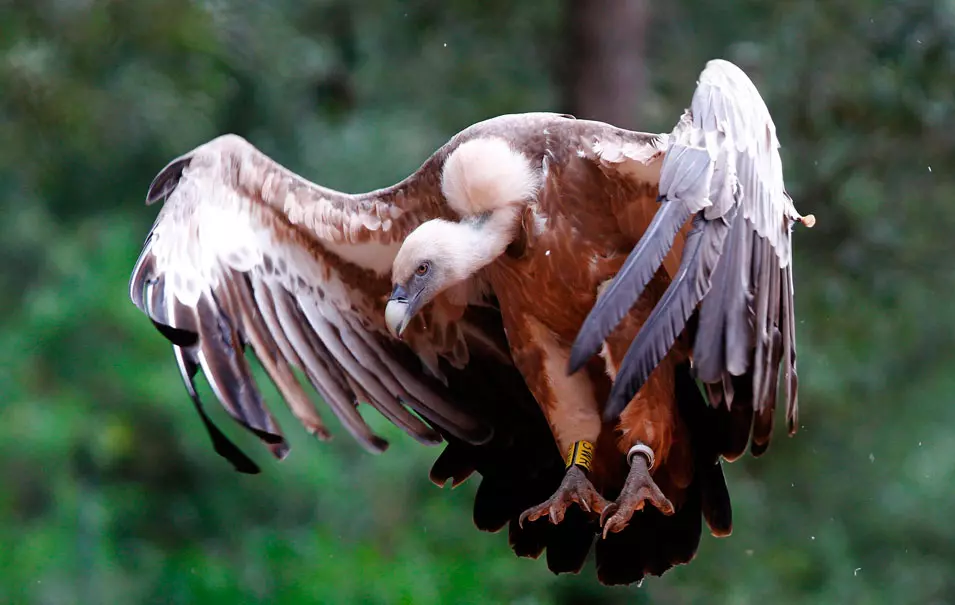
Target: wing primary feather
x,y
186,319
739,329
425,401
293,321
273,359
181,338
629,283
221,444
385,401
773,317
333,389
765,408
225,367
265,303
155,300
723,338
739,417
763,274
158,313
701,252
789,349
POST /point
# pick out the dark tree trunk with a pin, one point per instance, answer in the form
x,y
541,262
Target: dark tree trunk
x,y
603,76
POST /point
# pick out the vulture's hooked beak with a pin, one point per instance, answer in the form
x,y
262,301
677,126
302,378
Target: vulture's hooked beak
x,y
400,310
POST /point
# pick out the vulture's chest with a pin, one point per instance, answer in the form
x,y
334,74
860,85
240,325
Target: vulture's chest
x,y
556,275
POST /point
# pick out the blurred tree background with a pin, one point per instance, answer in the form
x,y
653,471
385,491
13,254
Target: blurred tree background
x,y
111,491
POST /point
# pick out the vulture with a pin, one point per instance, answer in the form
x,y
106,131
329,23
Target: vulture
x,y
542,295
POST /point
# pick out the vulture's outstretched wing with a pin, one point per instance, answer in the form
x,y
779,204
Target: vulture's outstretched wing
x,y
722,168
245,253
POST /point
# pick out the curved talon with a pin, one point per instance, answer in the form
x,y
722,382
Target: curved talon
x,y
614,520
609,512
575,488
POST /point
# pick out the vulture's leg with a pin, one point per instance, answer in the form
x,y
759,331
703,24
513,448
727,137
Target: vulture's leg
x,y
655,441
571,409
650,433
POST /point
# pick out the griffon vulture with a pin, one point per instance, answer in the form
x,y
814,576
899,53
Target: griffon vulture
x,y
245,253
545,224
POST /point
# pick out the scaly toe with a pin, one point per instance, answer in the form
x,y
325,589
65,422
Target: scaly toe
x,y
618,521
655,497
614,519
534,513
616,516
575,488
557,512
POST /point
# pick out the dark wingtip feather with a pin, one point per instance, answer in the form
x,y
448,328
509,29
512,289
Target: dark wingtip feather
x,y
706,427
717,505
376,444
530,541
492,506
758,448
652,544
180,338
167,179
271,439
279,450
739,418
454,465
570,542
629,283
228,372
763,418
153,304
221,444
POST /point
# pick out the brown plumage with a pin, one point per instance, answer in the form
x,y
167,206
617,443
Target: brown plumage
x,y
494,251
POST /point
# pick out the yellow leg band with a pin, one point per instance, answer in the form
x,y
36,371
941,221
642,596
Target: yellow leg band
x,y
580,453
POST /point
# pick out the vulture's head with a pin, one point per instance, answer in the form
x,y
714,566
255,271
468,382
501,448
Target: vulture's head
x,y
485,181
435,256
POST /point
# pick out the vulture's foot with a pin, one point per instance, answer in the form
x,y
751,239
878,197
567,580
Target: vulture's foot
x,y
575,487
638,489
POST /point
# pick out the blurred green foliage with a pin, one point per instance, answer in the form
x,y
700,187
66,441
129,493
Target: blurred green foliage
x,y
111,492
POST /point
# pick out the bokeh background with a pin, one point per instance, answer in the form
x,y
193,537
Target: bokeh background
x,y
110,491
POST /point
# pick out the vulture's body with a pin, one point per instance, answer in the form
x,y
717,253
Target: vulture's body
x,y
495,251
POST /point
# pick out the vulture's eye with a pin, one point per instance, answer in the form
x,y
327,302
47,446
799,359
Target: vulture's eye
x,y
423,269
